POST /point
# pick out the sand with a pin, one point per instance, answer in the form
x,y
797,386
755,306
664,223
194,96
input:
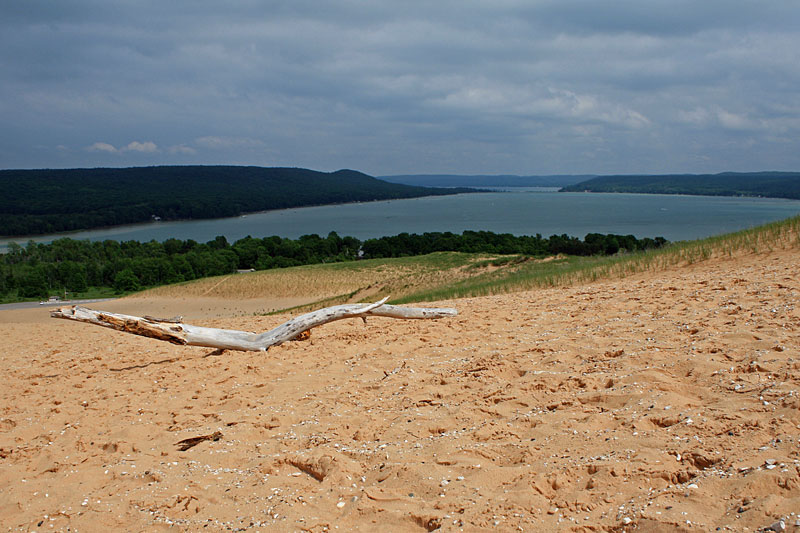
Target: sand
x,y
661,402
190,309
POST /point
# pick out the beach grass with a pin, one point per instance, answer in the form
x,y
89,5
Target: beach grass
x,y
565,271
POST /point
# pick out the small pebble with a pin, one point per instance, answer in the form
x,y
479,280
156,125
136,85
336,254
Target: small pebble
x,y
780,525
340,505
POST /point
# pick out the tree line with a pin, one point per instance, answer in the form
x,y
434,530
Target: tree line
x,y
37,270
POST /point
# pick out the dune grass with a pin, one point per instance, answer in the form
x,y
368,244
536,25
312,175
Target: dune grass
x,y
452,275
333,283
565,271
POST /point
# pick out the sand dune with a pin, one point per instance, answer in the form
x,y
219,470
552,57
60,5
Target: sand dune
x,y
661,402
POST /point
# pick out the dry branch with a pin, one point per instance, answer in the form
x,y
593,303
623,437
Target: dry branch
x,y
186,444
227,339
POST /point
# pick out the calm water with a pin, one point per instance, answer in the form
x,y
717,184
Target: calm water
x,y
521,212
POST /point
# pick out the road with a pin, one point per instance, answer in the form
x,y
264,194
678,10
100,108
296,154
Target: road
x,y
61,303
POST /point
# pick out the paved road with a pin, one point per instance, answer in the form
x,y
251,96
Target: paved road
x,y
31,305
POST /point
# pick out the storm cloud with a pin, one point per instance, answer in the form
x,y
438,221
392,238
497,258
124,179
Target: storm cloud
x,y
501,86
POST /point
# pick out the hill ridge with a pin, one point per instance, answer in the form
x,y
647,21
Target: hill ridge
x,y
771,184
44,201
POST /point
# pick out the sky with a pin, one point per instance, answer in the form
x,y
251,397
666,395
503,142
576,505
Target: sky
x,y
411,87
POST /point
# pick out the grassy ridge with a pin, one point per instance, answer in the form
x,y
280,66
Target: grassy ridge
x,y
451,275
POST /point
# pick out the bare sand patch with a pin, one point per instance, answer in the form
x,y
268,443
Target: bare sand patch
x,y
193,308
663,402
190,308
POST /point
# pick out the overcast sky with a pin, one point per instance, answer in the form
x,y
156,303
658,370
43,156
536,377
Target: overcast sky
x,y
390,87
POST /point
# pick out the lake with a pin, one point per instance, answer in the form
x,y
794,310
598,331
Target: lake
x,y
517,211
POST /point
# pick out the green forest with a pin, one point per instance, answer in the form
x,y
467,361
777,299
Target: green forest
x,y
79,266
764,184
37,202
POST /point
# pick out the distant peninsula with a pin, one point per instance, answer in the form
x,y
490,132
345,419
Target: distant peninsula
x,y
756,184
486,180
36,202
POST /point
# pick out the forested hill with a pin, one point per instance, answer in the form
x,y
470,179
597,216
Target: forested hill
x,y
768,184
49,201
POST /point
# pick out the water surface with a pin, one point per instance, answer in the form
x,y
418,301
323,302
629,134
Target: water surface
x,y
516,211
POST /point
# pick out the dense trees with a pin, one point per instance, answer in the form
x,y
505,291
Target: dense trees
x,y
37,270
768,184
505,243
49,201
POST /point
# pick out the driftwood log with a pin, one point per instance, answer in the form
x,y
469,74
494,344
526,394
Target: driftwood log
x,y
226,339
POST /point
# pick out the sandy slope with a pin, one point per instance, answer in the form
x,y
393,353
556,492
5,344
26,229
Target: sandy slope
x,y
658,403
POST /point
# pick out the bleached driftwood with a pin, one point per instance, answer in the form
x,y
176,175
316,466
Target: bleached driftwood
x,y
227,339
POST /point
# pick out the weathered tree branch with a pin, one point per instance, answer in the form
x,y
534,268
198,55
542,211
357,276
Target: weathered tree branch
x,y
227,339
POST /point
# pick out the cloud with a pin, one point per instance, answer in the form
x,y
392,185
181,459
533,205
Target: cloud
x,y
541,103
182,149
507,86
697,116
732,120
147,147
102,147
222,143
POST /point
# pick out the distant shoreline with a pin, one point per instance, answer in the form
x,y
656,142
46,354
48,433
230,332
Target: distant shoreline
x,y
784,185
